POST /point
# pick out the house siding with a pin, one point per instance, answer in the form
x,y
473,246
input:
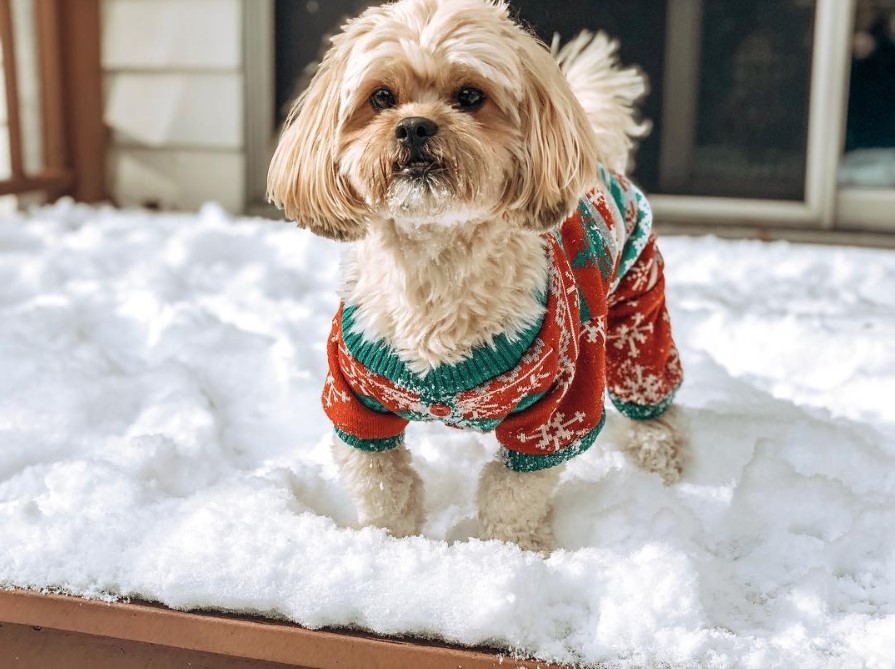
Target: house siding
x,y
174,102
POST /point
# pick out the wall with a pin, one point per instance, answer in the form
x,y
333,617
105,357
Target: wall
x,y
174,102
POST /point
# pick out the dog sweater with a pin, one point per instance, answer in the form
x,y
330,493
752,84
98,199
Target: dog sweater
x,y
604,326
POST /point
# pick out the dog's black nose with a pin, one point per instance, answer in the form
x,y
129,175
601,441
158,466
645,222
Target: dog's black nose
x,y
415,130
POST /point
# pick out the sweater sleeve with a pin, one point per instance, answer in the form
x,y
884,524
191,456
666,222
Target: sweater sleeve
x,y
561,424
566,419
359,421
644,369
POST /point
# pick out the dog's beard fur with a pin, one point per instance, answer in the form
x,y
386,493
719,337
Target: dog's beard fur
x,y
427,196
422,191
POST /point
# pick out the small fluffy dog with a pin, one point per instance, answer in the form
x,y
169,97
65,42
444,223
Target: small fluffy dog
x,y
503,274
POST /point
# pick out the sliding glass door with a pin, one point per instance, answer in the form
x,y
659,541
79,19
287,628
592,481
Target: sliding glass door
x,y
754,121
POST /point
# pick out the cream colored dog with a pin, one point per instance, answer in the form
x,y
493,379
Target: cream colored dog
x,y
443,139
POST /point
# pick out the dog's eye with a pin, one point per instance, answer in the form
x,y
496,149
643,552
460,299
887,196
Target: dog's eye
x,y
469,98
382,98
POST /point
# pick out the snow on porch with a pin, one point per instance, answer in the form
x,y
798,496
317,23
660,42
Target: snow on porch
x,y
161,438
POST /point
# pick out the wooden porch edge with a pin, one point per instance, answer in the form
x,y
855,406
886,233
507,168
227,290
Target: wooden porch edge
x,y
239,636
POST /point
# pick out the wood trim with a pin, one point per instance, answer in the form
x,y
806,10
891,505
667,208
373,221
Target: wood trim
x,y
70,85
55,150
29,647
7,37
82,96
52,181
243,637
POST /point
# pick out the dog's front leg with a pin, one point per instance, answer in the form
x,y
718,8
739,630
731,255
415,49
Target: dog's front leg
x,y
385,488
516,506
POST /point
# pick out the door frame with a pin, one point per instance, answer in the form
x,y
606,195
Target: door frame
x,y
260,130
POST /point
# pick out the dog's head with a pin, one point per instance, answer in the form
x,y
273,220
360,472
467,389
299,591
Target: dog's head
x,y
435,112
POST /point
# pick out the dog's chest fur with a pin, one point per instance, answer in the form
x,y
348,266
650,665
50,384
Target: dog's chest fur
x,y
436,294
434,300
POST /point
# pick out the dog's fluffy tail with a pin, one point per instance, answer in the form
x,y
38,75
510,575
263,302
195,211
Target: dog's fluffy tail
x,y
608,93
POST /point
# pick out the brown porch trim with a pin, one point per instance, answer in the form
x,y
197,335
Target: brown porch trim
x,y
73,135
27,647
82,96
239,636
11,79
49,182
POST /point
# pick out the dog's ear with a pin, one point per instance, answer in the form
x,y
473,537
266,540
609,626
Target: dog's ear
x,y
557,158
304,178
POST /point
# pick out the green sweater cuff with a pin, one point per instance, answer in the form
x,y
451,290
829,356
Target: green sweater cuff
x,y
526,462
370,445
644,411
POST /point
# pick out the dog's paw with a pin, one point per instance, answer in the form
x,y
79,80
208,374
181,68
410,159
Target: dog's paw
x,y
398,525
536,539
658,446
515,507
386,490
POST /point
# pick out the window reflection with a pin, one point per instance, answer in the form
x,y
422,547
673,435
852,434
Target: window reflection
x,y
747,65
870,132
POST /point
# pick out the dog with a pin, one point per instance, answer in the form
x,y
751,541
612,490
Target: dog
x,y
503,273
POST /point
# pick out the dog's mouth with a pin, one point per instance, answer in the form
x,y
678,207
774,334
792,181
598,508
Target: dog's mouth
x,y
419,169
419,188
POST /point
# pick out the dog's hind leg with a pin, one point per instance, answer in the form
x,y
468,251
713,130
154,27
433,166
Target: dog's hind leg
x,y
658,445
516,506
385,488
643,370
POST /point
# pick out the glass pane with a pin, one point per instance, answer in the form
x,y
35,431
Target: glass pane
x,y
640,28
870,132
747,134
301,26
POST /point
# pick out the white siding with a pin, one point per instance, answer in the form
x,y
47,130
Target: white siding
x,y
178,179
174,101
193,110
162,34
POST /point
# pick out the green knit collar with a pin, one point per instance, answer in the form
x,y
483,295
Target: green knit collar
x,y
484,362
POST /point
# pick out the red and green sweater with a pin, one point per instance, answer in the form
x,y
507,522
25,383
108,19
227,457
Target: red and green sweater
x,y
604,327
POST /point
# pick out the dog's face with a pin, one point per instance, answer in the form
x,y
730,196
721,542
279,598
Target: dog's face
x,y
433,112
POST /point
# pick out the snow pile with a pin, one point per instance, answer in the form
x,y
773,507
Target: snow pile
x,y
161,438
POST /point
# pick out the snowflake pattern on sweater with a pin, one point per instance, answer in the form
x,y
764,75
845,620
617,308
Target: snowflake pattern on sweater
x,y
605,327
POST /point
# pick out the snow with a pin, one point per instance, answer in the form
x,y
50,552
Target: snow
x,y
161,438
